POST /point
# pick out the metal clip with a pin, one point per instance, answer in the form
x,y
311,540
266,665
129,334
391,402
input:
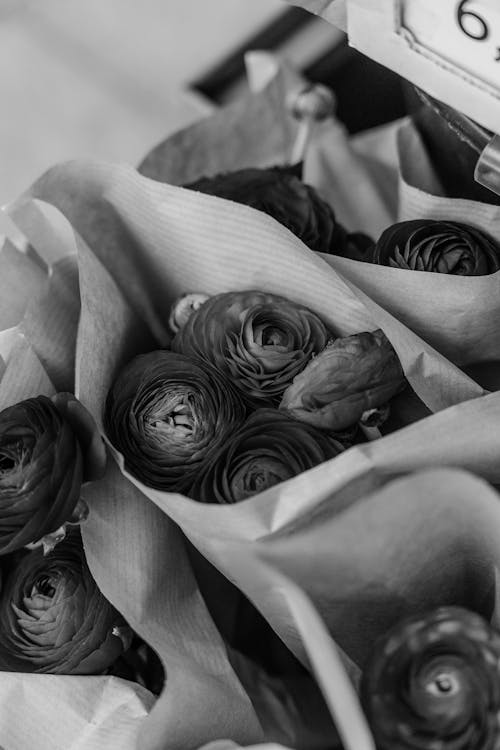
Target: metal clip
x,y
487,172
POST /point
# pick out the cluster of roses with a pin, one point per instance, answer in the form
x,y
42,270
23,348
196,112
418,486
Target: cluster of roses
x,y
448,247
53,618
254,391
434,679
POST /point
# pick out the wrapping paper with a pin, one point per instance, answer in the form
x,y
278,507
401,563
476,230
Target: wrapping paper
x,y
183,241
371,181
427,539
137,244
158,596
454,314
102,712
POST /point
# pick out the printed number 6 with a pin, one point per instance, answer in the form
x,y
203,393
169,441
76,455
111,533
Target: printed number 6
x,y
472,24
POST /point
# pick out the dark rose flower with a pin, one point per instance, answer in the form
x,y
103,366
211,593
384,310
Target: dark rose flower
x,y
438,246
53,618
434,682
260,341
167,415
269,448
280,193
47,449
349,378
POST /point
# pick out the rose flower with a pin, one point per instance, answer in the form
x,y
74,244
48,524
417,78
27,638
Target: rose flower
x,y
438,246
352,376
167,415
269,448
260,341
280,193
434,682
47,449
53,618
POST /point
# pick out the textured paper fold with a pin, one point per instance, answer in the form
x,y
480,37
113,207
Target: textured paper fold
x,y
419,542
157,594
70,713
221,143
139,245
422,541
454,314
188,241
185,241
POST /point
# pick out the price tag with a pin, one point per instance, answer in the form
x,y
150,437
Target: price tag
x,y
465,33
449,48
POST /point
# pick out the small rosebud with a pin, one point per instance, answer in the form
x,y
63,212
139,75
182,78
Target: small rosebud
x,y
183,308
351,380
314,102
309,106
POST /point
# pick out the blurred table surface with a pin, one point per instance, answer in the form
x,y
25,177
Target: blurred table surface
x,y
87,78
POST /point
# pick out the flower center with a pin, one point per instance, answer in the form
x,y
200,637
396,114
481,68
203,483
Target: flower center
x,y
180,416
174,414
45,585
7,463
444,684
259,481
273,336
13,457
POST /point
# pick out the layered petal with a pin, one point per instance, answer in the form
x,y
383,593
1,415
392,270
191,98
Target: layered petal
x,y
438,246
434,682
269,448
168,415
42,466
53,618
260,341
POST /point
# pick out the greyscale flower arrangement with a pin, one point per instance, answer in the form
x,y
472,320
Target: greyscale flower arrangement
x,y
53,618
447,247
253,390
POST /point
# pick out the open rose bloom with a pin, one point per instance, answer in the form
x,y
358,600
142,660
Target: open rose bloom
x,y
134,245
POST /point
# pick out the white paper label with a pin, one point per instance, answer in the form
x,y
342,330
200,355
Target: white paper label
x,y
465,33
449,48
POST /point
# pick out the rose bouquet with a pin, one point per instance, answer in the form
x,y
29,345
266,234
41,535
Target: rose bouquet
x,y
452,242
378,184
65,647
138,246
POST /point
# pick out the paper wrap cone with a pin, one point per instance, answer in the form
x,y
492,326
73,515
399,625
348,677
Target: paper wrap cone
x,y
138,558
423,541
455,314
376,179
371,181
139,245
185,241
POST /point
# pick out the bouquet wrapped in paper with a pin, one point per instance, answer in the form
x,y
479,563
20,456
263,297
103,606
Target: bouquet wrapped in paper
x,y
384,178
108,253
424,632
